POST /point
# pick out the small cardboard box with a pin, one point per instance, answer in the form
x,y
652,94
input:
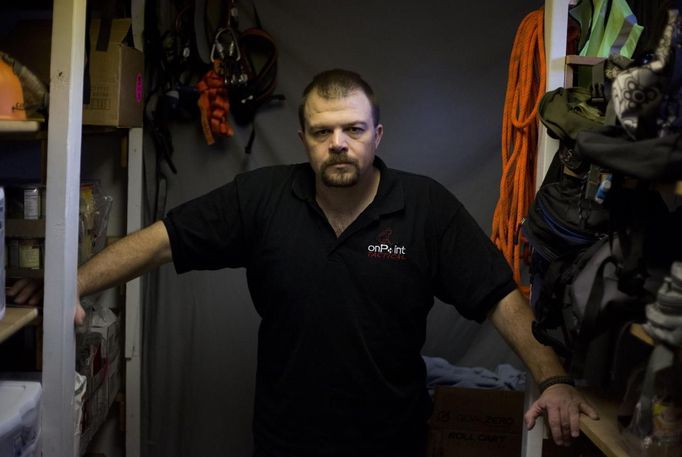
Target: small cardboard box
x,y
476,423
114,380
107,324
90,361
116,78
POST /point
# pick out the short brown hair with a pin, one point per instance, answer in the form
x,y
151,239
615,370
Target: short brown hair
x,y
338,83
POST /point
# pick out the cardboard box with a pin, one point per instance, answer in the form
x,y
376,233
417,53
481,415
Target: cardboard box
x,y
114,380
95,410
476,423
116,79
90,361
107,324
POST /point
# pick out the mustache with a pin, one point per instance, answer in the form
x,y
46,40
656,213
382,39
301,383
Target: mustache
x,y
337,159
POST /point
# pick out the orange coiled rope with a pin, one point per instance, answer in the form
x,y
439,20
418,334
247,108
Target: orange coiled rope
x,y
214,104
525,87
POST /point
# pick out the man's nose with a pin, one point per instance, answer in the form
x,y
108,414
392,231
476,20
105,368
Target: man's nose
x,y
338,141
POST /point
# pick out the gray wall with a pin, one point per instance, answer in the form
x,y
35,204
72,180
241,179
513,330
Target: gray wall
x,y
440,71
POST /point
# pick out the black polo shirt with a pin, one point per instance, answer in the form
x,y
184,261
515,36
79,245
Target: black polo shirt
x,y
343,319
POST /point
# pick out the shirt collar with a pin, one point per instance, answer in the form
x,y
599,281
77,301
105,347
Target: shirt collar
x,y
389,198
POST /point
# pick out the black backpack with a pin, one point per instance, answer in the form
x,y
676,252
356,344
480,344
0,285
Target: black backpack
x,y
594,273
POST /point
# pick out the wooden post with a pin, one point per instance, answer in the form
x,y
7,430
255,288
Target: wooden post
x,y
61,237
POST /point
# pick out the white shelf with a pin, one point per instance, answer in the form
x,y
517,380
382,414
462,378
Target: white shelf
x,y
7,127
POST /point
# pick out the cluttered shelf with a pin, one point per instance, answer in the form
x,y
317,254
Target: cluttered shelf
x,y
15,319
604,432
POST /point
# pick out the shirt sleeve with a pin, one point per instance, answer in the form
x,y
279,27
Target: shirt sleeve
x,y
208,233
472,273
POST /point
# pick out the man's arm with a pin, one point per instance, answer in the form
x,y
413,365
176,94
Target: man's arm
x,y
561,403
122,261
125,259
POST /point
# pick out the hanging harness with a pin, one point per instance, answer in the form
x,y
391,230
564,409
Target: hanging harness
x,y
243,77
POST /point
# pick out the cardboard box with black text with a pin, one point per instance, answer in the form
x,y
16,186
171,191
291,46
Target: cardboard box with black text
x,y
476,423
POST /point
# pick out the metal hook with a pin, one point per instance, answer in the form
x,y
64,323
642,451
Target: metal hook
x,y
231,46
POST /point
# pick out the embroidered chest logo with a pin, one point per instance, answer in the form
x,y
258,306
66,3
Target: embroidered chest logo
x,y
385,248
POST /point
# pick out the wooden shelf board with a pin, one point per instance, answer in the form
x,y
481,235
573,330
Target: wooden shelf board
x,y
583,60
37,131
638,332
604,432
24,273
14,320
25,228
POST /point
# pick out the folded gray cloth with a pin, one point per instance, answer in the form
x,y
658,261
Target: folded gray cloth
x,y
440,372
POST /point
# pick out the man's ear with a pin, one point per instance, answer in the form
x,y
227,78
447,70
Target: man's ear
x,y
301,136
378,133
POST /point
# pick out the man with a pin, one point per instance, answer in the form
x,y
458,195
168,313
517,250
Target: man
x,y
344,257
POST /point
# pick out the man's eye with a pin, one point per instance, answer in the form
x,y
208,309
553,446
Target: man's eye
x,y
321,132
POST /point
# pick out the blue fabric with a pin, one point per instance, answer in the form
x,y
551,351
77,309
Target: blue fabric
x,y
440,372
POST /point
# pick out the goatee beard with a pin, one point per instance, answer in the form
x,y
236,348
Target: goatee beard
x,y
334,178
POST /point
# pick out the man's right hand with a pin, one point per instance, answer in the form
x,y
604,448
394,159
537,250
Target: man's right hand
x,y
26,291
29,291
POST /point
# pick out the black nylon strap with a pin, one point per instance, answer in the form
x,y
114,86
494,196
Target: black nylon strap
x,y
105,26
256,17
200,31
252,137
589,322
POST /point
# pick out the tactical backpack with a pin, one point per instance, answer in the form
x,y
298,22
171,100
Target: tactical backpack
x,y
596,275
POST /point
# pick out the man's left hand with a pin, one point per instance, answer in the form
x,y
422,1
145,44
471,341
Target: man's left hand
x,y
562,405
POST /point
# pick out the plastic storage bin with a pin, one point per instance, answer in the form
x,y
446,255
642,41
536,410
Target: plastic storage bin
x,y
19,418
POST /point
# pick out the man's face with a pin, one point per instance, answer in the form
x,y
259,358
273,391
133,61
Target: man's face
x,y
340,138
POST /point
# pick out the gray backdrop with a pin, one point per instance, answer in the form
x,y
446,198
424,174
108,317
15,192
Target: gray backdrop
x,y
440,71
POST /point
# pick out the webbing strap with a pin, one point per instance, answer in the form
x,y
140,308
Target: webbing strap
x,y
589,322
200,31
252,137
631,234
256,16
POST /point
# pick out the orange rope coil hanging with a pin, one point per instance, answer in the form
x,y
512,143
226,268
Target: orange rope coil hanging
x,y
525,88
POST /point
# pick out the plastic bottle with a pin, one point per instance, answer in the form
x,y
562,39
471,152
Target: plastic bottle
x,y
666,434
